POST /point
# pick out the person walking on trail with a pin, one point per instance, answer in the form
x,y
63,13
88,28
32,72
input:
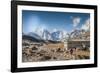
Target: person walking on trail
x,y
72,53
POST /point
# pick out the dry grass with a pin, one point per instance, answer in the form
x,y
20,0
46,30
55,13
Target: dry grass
x,y
50,52
58,45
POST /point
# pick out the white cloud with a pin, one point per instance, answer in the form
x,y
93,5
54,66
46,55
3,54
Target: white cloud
x,y
76,21
32,23
39,30
86,25
54,30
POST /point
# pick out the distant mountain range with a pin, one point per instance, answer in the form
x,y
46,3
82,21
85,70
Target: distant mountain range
x,y
32,34
57,36
46,36
31,38
80,34
54,36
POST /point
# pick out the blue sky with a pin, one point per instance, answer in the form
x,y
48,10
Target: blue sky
x,y
34,20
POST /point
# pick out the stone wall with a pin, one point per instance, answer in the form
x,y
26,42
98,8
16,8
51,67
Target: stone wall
x,y
78,44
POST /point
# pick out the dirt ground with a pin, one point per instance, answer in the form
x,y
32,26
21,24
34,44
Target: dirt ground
x,y
52,52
